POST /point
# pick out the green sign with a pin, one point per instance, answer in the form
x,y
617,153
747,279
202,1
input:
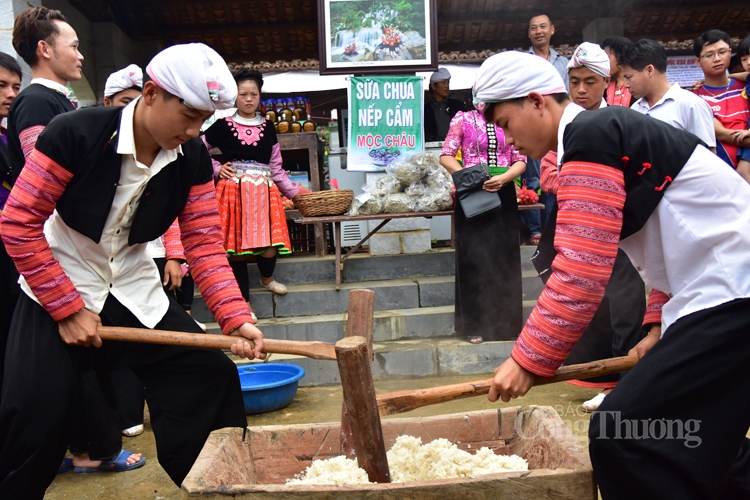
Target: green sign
x,y
385,120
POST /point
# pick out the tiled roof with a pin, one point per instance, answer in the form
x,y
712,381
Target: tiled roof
x,y
467,30
456,57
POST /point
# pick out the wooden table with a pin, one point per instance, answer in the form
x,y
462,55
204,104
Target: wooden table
x,y
336,220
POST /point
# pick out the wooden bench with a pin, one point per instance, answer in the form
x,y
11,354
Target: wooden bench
x,y
336,220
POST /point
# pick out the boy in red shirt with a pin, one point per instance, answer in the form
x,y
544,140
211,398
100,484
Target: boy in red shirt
x,y
726,96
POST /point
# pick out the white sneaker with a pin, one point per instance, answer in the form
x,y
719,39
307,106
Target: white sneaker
x,y
593,403
133,431
275,287
201,325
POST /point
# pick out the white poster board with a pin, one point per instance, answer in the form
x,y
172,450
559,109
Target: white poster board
x,y
683,70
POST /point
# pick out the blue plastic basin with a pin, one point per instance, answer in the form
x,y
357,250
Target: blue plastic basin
x,y
268,386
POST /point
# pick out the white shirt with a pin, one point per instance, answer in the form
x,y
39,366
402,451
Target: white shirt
x,y
156,249
569,113
111,266
696,256
684,110
51,84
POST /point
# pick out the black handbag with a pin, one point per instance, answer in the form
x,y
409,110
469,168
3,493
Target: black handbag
x,y
469,192
475,200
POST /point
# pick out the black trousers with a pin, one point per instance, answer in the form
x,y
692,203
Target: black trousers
x,y
190,392
131,397
675,426
489,299
96,432
10,290
129,392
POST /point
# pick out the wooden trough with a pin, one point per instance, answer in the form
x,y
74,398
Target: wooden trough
x,y
257,465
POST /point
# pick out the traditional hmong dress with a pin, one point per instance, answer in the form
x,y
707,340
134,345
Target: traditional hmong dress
x,y
250,205
488,257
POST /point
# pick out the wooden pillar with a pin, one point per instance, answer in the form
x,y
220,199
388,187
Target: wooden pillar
x,y
362,408
359,323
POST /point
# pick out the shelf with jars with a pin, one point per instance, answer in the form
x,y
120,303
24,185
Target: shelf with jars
x,y
289,115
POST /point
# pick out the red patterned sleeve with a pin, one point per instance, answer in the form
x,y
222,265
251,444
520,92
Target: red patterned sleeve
x,y
201,237
28,138
31,202
173,242
656,301
548,174
590,201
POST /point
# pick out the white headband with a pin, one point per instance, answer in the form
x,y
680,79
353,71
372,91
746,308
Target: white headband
x,y
195,73
126,78
510,75
591,56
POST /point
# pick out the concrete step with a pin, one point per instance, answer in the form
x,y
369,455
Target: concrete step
x,y
407,359
324,299
388,325
359,267
365,267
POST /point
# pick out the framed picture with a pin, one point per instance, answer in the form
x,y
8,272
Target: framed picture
x,y
377,36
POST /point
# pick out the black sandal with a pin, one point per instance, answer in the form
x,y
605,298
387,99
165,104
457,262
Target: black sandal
x,y
475,339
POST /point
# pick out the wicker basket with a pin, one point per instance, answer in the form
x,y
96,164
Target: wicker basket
x,y
324,202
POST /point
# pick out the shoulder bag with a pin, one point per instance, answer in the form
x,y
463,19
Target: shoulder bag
x,y
469,181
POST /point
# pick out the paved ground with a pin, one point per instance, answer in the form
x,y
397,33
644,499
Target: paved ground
x,y
317,404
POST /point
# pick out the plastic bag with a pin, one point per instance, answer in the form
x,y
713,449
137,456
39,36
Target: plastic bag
x,y
435,200
405,171
366,204
439,179
398,203
526,196
425,161
387,185
417,189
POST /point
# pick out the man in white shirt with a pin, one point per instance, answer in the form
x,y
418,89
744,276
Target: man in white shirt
x,y
106,181
644,67
682,218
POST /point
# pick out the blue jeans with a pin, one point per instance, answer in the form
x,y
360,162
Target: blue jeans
x,y
535,220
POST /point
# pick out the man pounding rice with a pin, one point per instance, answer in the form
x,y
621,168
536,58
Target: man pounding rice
x,y
107,181
681,216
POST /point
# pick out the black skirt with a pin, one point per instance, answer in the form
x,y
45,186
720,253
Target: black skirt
x,y
488,271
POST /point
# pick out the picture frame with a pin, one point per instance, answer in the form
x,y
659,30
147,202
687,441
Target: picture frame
x,y
366,37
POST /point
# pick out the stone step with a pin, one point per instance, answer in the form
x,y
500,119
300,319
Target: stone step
x,y
323,298
365,267
407,359
388,325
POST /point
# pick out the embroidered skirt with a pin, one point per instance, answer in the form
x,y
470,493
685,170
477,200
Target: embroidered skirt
x,y
252,215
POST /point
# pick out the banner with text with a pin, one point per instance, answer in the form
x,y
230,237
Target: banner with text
x,y
385,120
683,70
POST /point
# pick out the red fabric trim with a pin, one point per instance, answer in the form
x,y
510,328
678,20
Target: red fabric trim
x,y
590,201
656,301
28,138
173,242
548,174
31,203
201,237
592,385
